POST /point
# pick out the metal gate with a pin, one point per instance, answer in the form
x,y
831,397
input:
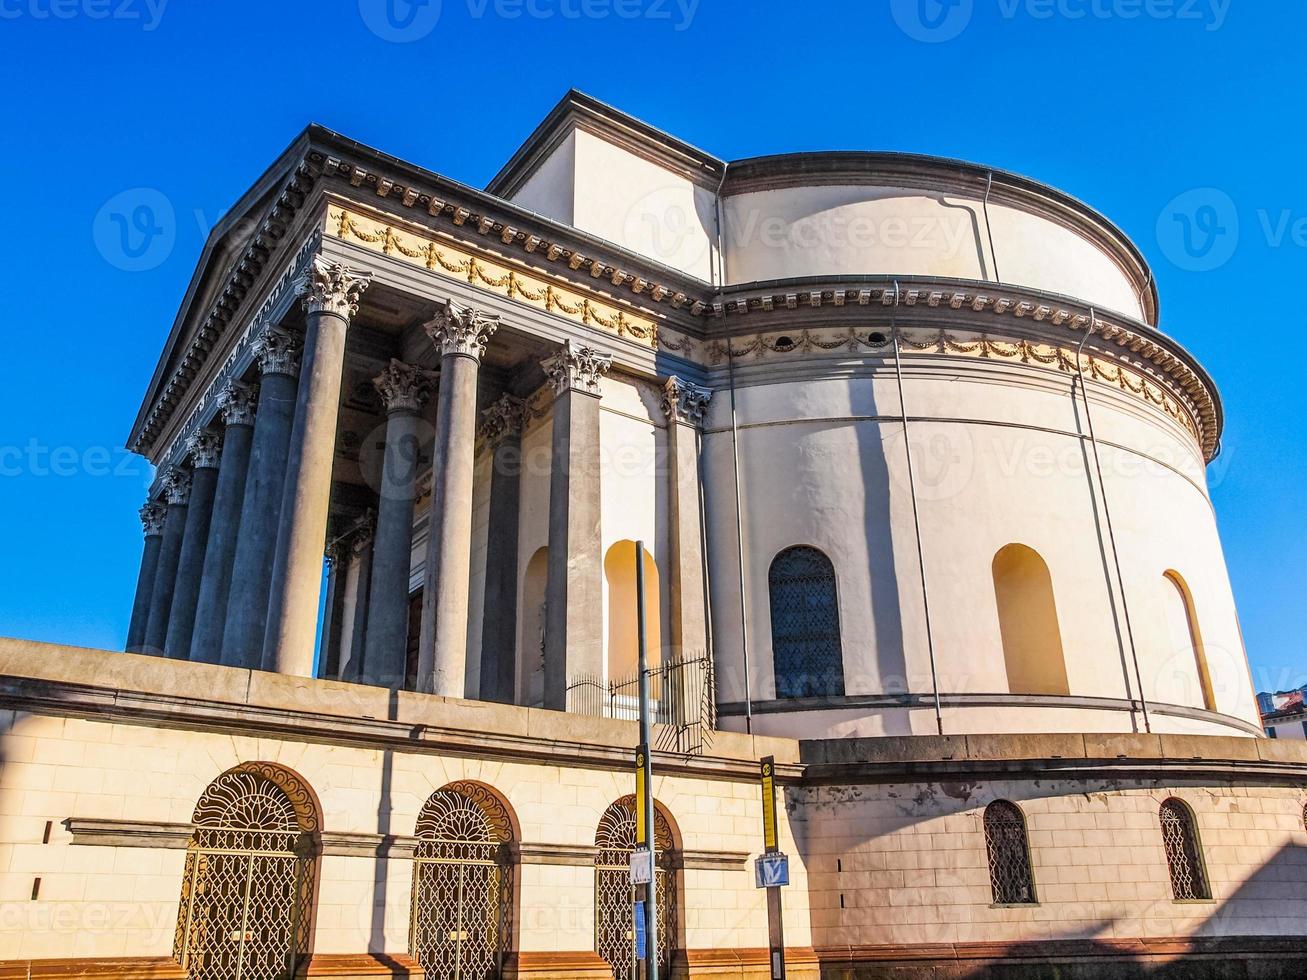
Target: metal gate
x,y
248,884
462,884
615,896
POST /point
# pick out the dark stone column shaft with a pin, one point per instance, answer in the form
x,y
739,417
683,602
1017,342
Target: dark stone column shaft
x,y
503,424
176,490
190,564
152,515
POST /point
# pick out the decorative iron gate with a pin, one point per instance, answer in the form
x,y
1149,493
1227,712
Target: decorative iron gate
x,y
615,896
462,884
248,884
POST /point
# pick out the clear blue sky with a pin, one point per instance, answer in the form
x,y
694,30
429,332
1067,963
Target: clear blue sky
x,y
1124,103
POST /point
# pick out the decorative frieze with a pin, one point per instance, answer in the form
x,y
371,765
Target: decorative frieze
x,y
152,515
177,487
237,402
461,330
577,368
684,402
331,287
403,387
277,351
205,450
505,418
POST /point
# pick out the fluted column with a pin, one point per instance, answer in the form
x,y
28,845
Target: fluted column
x,y
329,661
574,590
176,491
460,334
204,449
502,425
277,352
152,516
354,612
404,390
236,403
684,405
331,295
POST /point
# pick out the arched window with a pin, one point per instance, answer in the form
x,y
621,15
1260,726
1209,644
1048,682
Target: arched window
x,y
805,625
247,890
1027,622
623,611
1183,852
1010,872
615,896
531,662
462,883
1192,682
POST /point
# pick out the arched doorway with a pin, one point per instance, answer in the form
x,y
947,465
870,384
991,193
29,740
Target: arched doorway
x,y
462,884
247,891
614,895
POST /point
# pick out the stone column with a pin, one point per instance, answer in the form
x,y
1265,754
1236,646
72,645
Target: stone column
x,y
354,619
502,425
152,517
176,491
331,295
574,591
337,566
684,405
460,334
204,450
278,354
404,390
236,402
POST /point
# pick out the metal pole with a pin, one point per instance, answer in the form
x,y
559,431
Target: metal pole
x,y
651,889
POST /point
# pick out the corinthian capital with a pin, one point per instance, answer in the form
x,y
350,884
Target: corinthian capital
x,y
278,352
506,417
577,368
205,449
329,287
236,402
461,330
152,515
403,387
177,487
684,402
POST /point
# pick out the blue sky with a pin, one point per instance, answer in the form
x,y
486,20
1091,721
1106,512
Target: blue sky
x,y
1127,104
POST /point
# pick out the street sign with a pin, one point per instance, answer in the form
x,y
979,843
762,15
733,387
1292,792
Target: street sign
x,y
641,788
641,866
769,839
641,933
771,870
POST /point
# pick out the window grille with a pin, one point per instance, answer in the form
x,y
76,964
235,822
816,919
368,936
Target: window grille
x,y
1180,837
615,896
805,625
1010,873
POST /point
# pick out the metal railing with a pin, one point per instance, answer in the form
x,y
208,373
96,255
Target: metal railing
x,y
682,699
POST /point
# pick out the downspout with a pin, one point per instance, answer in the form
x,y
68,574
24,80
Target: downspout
x,y
989,230
1107,517
735,464
916,518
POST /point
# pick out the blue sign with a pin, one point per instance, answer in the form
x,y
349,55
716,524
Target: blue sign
x,y
641,933
771,870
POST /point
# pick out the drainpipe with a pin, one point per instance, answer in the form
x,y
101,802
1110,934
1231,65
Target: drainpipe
x,y
916,518
989,231
1107,517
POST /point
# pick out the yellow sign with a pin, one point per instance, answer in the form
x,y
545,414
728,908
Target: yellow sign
x,y
769,840
640,790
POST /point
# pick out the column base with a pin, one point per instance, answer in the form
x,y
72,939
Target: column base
x,y
754,963
357,966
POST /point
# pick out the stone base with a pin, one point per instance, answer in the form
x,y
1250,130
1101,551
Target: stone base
x,y
1245,958
356,966
800,963
114,968
570,965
